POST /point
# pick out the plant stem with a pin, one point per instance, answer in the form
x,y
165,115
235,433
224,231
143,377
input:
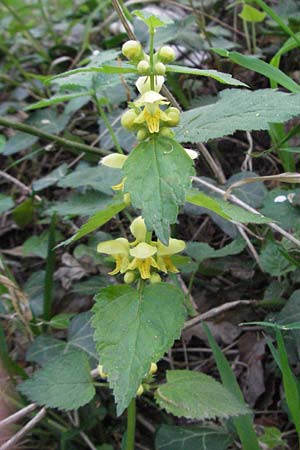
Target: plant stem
x,y
131,421
107,124
50,137
245,25
151,51
49,280
253,37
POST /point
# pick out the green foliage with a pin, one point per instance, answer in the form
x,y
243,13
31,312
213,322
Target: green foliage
x,y
275,260
201,251
150,20
80,204
196,438
285,212
197,396
64,383
6,203
225,78
224,209
237,110
259,66
38,245
243,424
130,333
158,175
52,178
251,14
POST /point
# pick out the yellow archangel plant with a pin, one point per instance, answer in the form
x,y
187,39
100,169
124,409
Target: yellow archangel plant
x,y
141,257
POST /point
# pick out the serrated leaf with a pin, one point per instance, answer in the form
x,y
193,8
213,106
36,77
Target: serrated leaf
x,y
64,383
132,330
170,437
197,396
6,203
221,77
225,209
149,19
44,348
237,110
158,175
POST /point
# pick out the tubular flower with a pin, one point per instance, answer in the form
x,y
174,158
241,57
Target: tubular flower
x,y
151,113
138,229
164,252
114,160
119,250
143,259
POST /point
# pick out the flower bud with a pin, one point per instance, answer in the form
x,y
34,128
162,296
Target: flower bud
x,y
143,67
126,198
132,49
140,390
129,277
166,132
100,371
153,369
155,278
173,116
142,134
159,68
115,160
128,118
166,54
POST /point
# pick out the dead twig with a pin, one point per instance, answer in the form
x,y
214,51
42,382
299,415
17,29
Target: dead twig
x,y
216,311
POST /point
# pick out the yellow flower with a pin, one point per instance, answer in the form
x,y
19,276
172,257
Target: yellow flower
x,y
114,160
119,250
164,252
143,259
151,113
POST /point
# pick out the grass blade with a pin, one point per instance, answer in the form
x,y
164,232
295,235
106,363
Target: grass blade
x,y
243,424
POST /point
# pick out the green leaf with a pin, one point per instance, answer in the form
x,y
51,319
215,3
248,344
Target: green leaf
x,y
259,66
79,204
274,262
96,221
132,330
23,213
158,175
100,178
38,245
197,396
55,99
2,142
6,203
221,77
201,251
149,19
64,383
80,337
243,424
61,321
224,209
251,14
193,437
237,110
284,212
52,178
